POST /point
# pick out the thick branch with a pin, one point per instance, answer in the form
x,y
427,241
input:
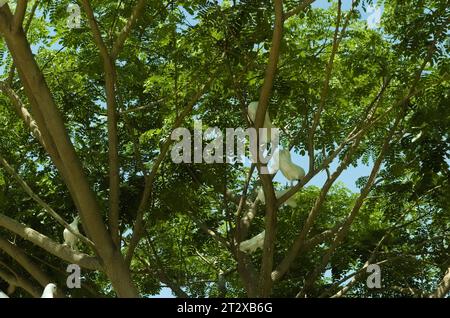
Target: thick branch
x,y
21,282
19,15
59,250
20,257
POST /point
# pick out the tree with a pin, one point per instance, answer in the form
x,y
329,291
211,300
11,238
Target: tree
x,y
88,114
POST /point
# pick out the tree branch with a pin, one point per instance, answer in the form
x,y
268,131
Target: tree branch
x,y
42,204
355,136
42,102
356,208
326,85
444,286
62,251
298,9
138,230
20,257
216,236
23,112
19,15
113,142
265,284
137,12
19,281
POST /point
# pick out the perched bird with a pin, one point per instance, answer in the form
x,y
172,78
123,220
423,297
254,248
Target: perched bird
x,y
274,162
251,245
49,291
69,238
290,202
3,295
252,109
289,169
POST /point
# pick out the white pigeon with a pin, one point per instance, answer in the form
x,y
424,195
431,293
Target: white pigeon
x,y
290,202
3,295
69,238
251,245
252,109
289,169
49,291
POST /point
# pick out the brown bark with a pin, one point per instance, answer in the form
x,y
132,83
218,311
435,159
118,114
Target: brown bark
x,y
20,257
19,281
113,151
265,281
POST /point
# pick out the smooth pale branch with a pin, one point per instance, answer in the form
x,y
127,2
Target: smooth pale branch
x,y
251,245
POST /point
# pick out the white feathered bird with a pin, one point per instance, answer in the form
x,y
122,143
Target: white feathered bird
x,y
69,238
49,291
289,169
252,109
251,245
3,295
274,163
290,202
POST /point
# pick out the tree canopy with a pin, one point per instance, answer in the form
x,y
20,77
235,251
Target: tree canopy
x,y
87,113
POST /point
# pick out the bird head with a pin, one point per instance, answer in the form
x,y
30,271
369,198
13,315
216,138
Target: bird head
x,y
49,291
53,288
